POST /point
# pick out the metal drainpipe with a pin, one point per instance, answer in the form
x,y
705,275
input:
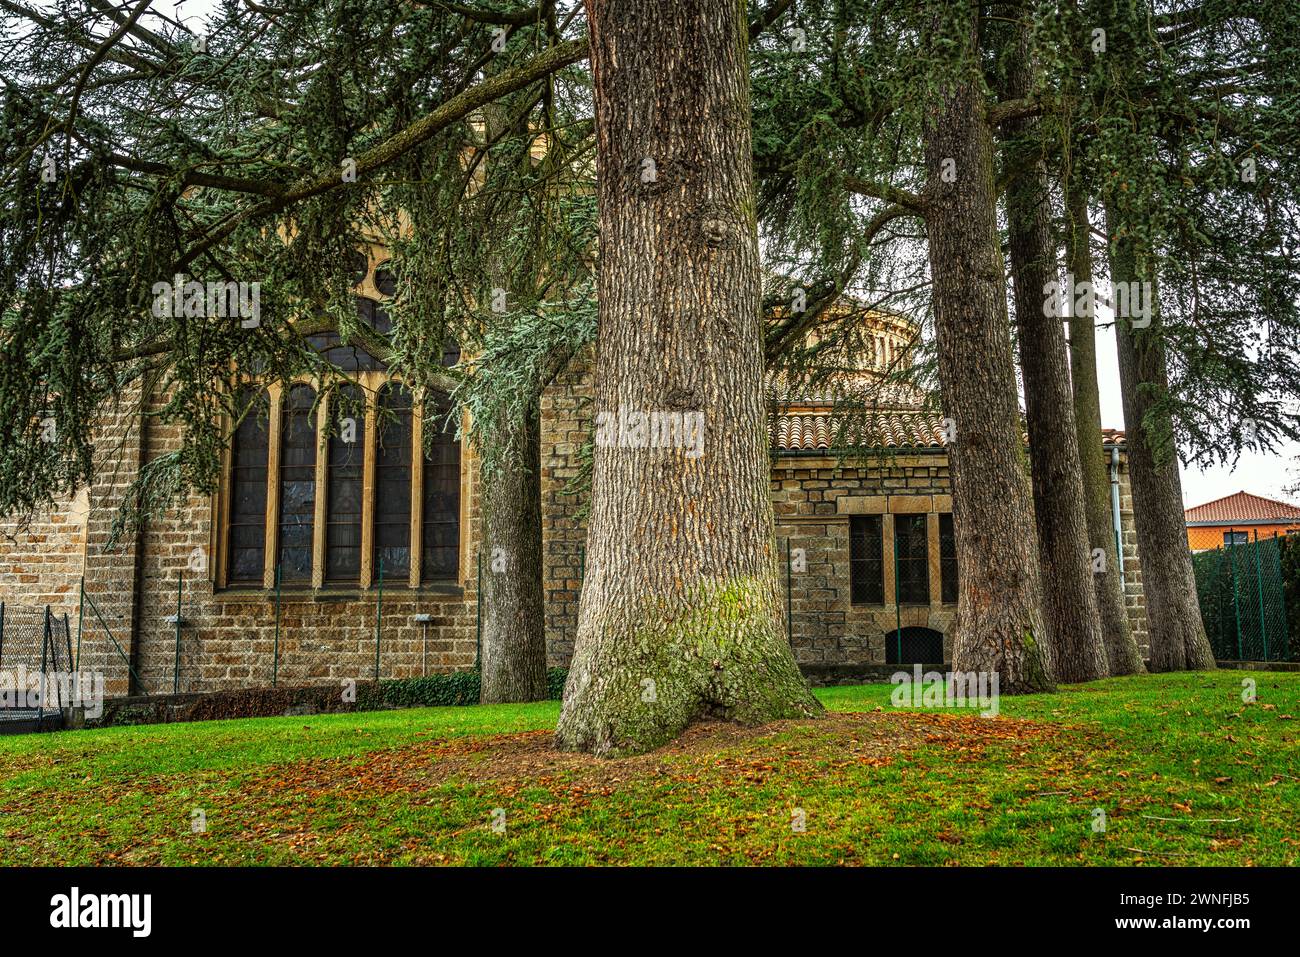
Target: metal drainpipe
x,y
1114,506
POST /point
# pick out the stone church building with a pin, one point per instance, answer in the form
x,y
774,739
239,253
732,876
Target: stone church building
x,y
325,559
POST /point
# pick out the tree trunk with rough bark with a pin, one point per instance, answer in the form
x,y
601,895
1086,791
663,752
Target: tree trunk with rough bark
x,y
1122,652
1174,624
1069,600
512,656
512,646
999,626
680,618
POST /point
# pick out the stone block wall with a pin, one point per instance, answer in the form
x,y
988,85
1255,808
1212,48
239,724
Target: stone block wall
x,y
566,431
43,558
1134,600
228,638
814,499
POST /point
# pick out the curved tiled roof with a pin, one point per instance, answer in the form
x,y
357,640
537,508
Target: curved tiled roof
x,y
813,430
900,395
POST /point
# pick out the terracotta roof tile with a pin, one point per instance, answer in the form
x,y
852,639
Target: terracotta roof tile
x,y
1243,507
812,431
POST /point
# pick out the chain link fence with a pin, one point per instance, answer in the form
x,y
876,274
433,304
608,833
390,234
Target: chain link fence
x,y
1242,587
36,662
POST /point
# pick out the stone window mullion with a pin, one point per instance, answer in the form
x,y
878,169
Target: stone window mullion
x,y
322,492
371,383
417,493
272,538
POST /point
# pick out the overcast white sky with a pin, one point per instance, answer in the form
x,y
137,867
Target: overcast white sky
x,y
1265,475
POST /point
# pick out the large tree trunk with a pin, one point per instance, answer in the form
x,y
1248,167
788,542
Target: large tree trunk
x,y
999,627
1173,614
680,617
512,656
1122,652
512,648
1069,601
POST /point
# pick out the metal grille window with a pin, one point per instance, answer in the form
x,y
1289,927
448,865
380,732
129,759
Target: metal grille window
x,y
913,646
345,486
246,550
440,531
297,485
393,484
913,549
947,560
866,568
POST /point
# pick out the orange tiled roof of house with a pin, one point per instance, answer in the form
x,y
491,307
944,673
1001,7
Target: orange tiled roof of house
x,y
1242,507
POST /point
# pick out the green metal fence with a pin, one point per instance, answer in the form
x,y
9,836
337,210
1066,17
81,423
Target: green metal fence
x,y
34,642
1242,592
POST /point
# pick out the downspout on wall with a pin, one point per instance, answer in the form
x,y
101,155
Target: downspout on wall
x,y
1114,506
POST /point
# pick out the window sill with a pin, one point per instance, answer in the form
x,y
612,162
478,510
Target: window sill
x,y
338,593
868,606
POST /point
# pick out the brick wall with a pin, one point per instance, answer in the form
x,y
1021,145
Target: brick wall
x,y
227,638
43,559
111,552
566,429
1135,602
813,499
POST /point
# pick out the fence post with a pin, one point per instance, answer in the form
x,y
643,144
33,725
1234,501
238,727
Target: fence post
x,y
478,614
898,608
1259,588
1236,598
67,634
176,666
1281,587
45,642
275,653
789,606
81,617
1218,593
379,616
54,645
2,632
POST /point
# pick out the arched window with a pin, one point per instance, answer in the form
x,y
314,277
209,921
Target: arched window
x,y
393,484
440,532
352,358
385,280
246,551
365,498
344,485
374,315
450,353
358,266
297,484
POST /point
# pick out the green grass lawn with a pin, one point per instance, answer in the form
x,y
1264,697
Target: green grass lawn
x,y
1183,770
